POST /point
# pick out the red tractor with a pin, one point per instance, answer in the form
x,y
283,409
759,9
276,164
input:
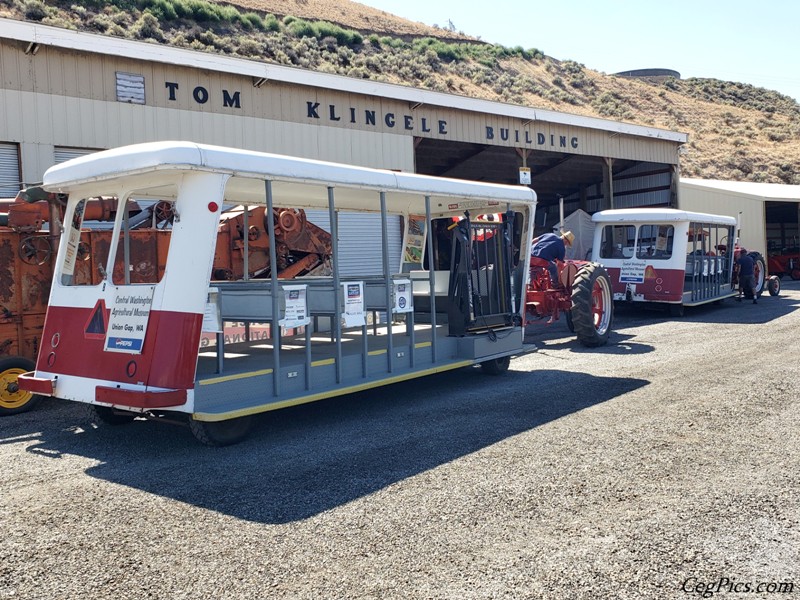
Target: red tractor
x,y
582,292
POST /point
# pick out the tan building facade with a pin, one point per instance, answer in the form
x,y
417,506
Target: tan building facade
x,y
64,93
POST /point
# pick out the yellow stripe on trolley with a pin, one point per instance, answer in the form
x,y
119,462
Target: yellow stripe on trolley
x,y
328,393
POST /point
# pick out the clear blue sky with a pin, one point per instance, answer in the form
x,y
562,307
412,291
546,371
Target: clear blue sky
x,y
756,42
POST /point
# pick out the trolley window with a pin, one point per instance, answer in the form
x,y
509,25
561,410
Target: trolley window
x,y
618,241
655,242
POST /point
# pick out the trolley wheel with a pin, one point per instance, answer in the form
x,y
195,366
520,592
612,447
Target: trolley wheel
x,y
110,416
774,285
221,433
496,366
12,399
592,310
676,310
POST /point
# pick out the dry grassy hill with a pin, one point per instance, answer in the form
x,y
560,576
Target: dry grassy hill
x,y
736,131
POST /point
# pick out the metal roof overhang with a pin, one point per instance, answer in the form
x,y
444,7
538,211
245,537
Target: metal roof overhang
x,y
99,44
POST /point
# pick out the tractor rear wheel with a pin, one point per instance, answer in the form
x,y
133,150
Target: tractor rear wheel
x,y
592,305
760,272
12,399
570,325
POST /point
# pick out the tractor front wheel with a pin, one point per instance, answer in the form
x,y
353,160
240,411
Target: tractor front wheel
x,y
12,399
592,305
774,285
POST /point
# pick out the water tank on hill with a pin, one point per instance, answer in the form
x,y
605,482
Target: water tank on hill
x,y
651,74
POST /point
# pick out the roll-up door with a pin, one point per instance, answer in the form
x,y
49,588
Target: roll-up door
x,y
9,170
360,244
62,154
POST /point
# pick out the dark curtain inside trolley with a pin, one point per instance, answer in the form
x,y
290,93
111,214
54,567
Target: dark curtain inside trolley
x,y
481,291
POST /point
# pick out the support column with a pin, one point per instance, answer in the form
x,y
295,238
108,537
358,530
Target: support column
x,y
608,183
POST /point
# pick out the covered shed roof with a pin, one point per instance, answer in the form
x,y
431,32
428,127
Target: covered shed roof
x,y
762,191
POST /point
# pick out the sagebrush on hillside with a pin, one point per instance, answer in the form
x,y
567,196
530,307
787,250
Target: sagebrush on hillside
x,y
736,131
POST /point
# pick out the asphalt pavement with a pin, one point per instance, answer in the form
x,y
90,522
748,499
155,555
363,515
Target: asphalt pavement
x,y
663,465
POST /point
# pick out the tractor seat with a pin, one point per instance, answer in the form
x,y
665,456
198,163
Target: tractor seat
x,y
539,262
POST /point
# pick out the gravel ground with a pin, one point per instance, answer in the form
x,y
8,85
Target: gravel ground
x,y
663,462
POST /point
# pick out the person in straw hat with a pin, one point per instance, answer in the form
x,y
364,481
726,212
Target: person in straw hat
x,y
551,247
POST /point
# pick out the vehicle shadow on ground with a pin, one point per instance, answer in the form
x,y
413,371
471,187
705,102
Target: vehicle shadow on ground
x,y
729,311
557,336
305,460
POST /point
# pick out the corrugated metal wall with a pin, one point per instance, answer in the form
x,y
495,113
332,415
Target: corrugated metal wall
x,y
360,244
640,186
9,170
62,154
753,216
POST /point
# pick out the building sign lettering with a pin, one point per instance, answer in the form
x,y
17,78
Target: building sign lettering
x,y
370,117
201,95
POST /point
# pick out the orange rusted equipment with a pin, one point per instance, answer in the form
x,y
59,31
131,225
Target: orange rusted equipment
x,y
301,245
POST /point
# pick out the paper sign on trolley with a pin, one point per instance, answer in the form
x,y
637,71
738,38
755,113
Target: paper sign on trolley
x,y
130,313
403,300
296,313
353,304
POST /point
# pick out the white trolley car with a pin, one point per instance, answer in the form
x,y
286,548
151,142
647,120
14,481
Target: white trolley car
x,y
132,347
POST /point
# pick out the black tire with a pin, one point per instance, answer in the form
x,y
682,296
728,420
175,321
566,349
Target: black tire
x,y
12,399
795,274
774,286
221,433
592,305
570,324
760,272
496,366
110,416
676,310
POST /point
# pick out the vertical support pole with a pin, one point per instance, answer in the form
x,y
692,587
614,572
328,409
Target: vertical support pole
x,y
220,350
336,325
387,277
246,259
308,353
274,327
608,182
431,277
674,197
246,251
584,199
126,243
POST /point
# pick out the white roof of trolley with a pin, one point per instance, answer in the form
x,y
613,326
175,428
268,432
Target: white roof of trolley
x,y
160,53
140,164
658,215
